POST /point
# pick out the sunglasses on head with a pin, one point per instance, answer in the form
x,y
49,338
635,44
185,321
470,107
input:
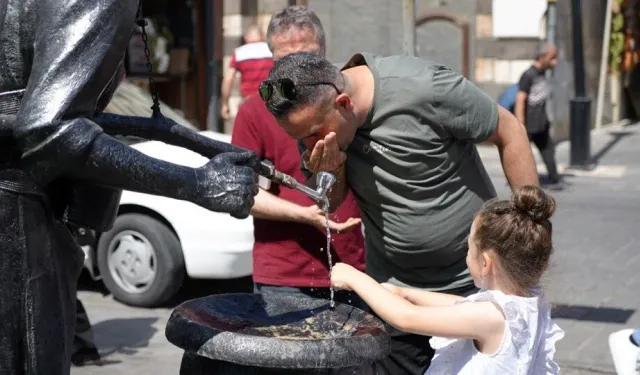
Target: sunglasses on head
x,y
286,88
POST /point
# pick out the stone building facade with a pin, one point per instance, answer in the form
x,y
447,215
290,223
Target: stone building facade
x,y
490,41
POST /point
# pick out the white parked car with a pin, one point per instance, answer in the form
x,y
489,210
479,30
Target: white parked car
x,y
157,241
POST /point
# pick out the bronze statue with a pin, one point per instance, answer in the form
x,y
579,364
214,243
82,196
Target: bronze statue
x,y
60,63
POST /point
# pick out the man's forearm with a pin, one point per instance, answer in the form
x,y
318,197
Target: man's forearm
x,y
521,100
515,151
268,206
520,114
519,164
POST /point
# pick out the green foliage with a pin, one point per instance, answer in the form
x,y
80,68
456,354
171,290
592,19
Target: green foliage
x,y
616,43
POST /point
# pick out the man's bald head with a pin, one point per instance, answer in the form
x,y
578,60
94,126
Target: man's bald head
x,y
545,49
547,56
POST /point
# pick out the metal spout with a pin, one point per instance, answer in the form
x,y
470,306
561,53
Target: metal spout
x,y
324,182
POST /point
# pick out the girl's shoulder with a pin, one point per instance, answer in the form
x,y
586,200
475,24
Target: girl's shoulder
x,y
529,326
507,301
519,312
516,310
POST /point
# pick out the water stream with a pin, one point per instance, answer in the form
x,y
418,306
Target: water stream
x,y
325,208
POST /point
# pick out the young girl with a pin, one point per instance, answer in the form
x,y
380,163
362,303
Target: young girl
x,y
506,327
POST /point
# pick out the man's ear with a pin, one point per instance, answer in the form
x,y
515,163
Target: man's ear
x,y
343,100
487,261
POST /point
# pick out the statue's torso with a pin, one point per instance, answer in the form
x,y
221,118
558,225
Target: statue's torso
x,y
71,48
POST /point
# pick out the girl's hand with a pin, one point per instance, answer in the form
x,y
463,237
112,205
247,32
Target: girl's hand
x,y
341,274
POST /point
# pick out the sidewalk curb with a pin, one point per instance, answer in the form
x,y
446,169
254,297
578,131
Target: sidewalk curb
x,y
602,130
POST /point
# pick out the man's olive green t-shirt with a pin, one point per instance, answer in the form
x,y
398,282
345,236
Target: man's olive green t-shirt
x,y
415,171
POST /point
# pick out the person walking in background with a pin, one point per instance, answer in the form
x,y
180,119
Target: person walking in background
x,y
289,227
252,61
531,109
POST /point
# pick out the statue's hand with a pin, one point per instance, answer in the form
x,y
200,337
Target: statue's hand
x,y
228,183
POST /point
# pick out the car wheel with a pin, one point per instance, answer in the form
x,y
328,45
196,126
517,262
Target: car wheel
x,y
141,261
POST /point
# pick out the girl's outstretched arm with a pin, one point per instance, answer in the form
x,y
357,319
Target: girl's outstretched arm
x,y
424,297
477,320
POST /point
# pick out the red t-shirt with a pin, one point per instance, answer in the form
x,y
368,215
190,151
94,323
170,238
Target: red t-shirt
x,y
287,253
253,61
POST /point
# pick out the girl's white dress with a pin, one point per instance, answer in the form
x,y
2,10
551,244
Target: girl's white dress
x,y
527,347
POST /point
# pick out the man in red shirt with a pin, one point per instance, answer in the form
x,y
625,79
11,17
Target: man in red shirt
x,y
290,242
252,61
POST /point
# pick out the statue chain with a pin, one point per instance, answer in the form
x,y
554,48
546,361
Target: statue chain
x,y
152,84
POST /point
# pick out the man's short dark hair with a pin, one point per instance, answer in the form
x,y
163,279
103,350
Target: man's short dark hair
x,y
306,70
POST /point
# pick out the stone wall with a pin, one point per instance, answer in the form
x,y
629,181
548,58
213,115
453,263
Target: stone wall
x,y
494,64
376,26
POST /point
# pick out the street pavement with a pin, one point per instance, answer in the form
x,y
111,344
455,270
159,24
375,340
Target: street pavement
x,y
131,340
594,279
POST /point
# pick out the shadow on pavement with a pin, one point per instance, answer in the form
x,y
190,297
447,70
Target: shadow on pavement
x,y
616,136
123,336
593,314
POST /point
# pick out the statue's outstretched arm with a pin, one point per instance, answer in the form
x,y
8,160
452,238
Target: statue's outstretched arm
x,y
79,46
165,130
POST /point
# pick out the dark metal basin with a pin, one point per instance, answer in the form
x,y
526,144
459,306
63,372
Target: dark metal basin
x,y
277,331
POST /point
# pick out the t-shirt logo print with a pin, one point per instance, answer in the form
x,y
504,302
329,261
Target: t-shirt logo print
x,y
538,94
374,147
